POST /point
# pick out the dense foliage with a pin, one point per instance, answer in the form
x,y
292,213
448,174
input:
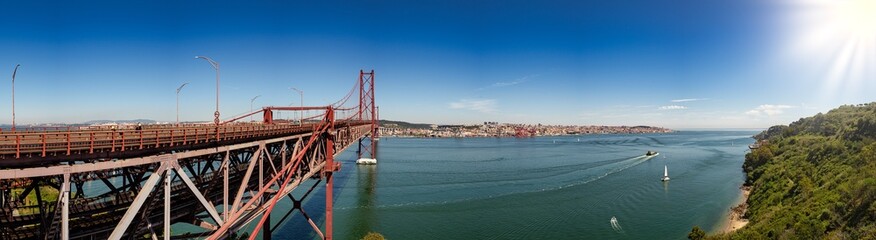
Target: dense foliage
x,y
373,236
814,179
696,234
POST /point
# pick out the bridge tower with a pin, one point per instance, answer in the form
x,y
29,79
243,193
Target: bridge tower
x,y
368,112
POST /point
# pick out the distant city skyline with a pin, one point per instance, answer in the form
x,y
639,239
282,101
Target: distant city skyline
x,y
677,64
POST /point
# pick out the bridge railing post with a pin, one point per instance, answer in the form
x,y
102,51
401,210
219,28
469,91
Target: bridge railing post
x,y
91,142
113,136
44,144
17,145
68,143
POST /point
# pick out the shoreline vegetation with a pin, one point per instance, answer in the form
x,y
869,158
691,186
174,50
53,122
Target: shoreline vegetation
x,y
812,179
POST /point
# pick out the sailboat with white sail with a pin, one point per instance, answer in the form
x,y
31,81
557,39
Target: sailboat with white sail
x,y
665,174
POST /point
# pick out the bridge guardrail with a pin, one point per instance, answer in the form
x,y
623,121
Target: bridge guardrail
x,y
56,142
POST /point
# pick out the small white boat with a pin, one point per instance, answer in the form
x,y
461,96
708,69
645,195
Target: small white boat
x,y
615,225
366,161
665,174
651,154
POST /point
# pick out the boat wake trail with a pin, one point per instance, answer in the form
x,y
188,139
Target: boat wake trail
x,y
616,226
603,169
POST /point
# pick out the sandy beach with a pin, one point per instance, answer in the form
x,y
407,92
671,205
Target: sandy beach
x,y
735,218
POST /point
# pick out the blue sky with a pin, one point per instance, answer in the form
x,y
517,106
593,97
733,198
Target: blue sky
x,y
677,63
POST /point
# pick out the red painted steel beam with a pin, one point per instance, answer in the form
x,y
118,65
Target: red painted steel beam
x,y
296,108
329,169
289,175
243,116
268,117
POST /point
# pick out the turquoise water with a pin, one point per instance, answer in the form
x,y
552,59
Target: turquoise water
x,y
565,187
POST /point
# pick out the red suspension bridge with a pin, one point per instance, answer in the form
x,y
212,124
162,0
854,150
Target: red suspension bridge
x,y
223,177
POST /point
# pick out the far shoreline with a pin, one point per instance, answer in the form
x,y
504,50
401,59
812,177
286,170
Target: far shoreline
x,y
511,136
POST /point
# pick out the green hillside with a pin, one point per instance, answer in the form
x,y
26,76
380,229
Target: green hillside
x,y
389,123
814,179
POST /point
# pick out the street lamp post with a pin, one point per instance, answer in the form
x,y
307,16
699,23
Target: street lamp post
x,y
177,101
301,114
250,105
291,104
216,114
13,95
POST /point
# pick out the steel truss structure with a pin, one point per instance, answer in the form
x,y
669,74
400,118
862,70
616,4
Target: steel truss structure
x,y
222,185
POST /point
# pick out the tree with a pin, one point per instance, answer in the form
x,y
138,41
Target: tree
x,y
373,236
696,234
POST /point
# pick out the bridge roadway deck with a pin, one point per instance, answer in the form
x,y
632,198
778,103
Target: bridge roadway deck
x,y
66,146
96,216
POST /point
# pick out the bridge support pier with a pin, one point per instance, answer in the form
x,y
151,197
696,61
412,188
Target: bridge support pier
x,y
330,168
328,205
167,180
65,207
266,233
225,187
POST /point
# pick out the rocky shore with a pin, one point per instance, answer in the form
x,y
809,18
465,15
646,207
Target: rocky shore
x,y
736,217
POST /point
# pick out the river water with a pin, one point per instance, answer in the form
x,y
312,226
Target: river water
x,y
566,187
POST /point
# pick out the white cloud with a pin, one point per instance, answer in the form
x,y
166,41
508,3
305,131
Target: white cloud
x,y
672,107
511,83
688,100
505,84
480,105
768,109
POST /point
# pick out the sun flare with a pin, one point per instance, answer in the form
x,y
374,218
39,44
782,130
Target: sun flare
x,y
840,37
857,17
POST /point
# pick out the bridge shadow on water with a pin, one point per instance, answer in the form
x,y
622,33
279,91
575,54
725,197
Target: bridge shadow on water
x,y
295,226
